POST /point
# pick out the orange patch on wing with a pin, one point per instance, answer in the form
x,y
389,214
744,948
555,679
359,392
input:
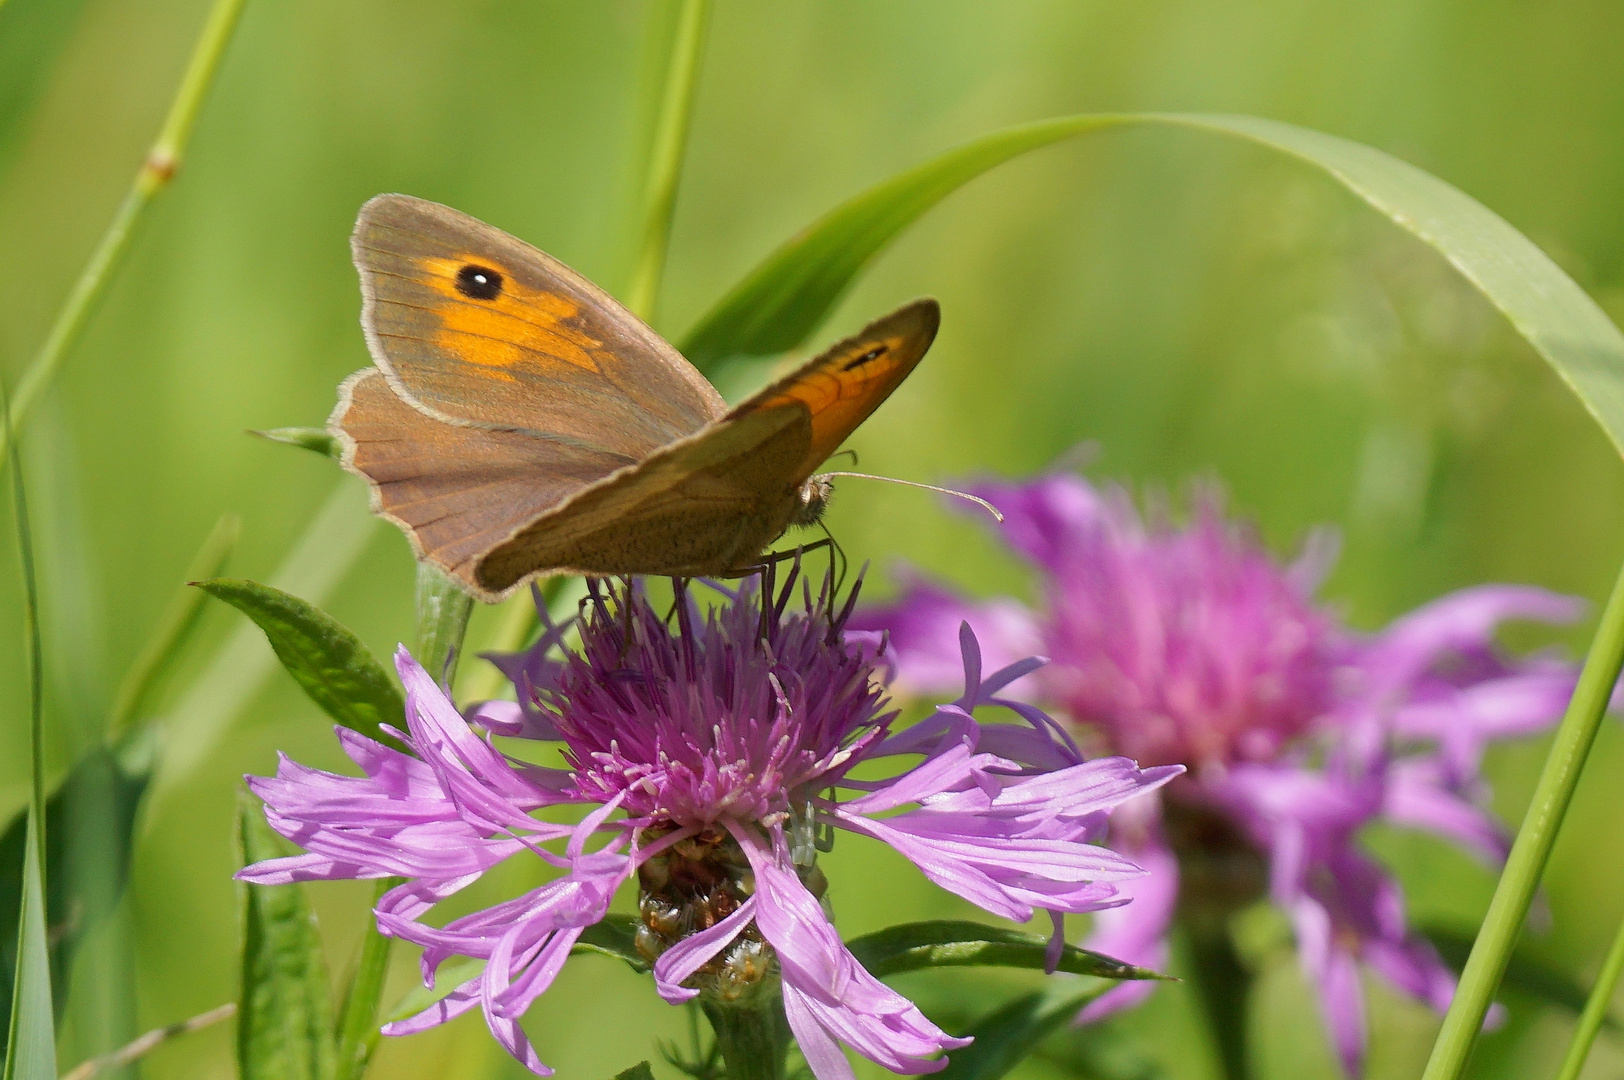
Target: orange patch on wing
x,y
518,326
840,400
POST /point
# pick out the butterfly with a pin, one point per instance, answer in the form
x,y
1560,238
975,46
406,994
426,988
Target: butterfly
x,y
519,422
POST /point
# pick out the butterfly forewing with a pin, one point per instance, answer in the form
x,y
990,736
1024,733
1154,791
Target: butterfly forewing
x,y
842,387
710,503
477,327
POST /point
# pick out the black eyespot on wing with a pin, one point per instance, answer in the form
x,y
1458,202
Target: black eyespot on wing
x,y
872,354
479,282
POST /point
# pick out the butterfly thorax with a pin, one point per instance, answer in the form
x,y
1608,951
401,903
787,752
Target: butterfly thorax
x,y
812,500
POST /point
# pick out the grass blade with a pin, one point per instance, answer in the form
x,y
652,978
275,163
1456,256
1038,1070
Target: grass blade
x,y
139,1048
31,1035
666,155
780,303
324,657
1529,852
284,1016
31,1026
89,840
1595,1010
152,177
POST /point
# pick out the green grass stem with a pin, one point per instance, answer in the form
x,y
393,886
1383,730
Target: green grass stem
x,y
1590,1021
666,155
1532,848
156,170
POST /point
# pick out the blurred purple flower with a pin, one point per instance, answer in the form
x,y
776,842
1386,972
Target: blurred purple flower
x,y
1191,644
711,755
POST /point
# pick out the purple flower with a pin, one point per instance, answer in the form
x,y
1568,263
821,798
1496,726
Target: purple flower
x,y
1191,644
712,754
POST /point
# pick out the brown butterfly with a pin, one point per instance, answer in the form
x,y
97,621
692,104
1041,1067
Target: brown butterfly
x,y
520,422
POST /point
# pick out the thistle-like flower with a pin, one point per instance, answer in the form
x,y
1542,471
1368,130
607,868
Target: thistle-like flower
x,y
716,755
1191,644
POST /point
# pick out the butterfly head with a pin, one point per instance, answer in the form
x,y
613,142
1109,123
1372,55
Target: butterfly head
x,y
812,500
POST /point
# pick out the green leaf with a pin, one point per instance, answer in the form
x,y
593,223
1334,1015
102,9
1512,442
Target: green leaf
x,y
615,936
311,438
322,655
89,830
953,943
1007,1036
1525,974
284,1016
640,1071
780,303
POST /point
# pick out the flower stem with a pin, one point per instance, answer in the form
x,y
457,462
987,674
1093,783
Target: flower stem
x,y
754,1039
156,170
443,608
666,156
1223,984
1590,1021
357,1033
1504,921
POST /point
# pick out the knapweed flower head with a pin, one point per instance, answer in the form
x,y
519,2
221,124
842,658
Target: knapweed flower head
x,y
715,750
1190,643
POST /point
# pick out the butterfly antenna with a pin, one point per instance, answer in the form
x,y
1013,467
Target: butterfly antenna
x,y
848,450
983,503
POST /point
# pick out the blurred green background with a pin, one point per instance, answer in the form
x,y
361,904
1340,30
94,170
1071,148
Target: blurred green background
x,y
1195,307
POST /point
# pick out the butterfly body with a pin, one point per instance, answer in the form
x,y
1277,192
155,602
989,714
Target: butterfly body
x,y
520,422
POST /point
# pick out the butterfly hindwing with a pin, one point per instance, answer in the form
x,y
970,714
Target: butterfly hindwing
x,y
456,490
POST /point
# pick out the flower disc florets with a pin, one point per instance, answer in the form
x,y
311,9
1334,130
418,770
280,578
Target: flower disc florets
x,y
724,716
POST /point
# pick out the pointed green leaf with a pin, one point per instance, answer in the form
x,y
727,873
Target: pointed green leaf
x,y
780,303
89,830
284,1016
31,1041
31,1030
322,655
310,438
1005,1038
953,943
640,1071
